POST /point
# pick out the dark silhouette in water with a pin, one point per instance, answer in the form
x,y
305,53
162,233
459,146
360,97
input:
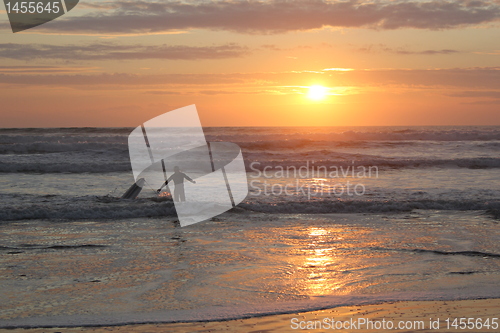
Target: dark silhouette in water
x,y
134,190
178,178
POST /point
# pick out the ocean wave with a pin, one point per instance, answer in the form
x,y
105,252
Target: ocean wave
x,y
444,253
62,139
360,206
66,130
264,135
61,167
54,207
24,247
299,148
386,134
252,163
58,147
353,160
310,144
82,208
459,253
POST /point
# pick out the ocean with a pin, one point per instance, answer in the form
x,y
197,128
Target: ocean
x,y
334,216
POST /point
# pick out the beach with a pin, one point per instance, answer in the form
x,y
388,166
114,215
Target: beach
x,y
411,314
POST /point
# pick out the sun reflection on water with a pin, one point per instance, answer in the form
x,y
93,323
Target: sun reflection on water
x,y
320,260
328,260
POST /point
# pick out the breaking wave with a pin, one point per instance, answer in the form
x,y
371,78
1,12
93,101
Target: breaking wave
x,y
362,206
106,207
87,207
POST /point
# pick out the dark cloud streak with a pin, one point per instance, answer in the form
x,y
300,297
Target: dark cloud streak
x,y
478,94
467,78
115,52
279,16
403,51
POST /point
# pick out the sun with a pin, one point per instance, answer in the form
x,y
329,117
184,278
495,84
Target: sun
x,y
317,92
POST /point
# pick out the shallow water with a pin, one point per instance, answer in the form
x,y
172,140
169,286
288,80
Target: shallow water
x,y
84,272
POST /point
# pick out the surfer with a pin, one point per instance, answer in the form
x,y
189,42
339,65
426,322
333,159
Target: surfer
x,y
178,178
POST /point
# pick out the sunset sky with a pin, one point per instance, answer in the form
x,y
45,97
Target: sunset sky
x,y
251,63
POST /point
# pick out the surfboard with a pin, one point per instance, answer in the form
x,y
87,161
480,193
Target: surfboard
x,y
134,190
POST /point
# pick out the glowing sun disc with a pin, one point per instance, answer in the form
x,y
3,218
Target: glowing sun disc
x,y
317,92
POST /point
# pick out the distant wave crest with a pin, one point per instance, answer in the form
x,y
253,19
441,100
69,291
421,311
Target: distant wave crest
x,y
88,166
105,207
362,206
88,207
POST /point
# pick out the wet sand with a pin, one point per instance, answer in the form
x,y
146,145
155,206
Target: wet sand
x,y
412,313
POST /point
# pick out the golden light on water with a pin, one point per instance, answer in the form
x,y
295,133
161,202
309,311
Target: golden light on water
x,y
317,232
319,258
325,260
